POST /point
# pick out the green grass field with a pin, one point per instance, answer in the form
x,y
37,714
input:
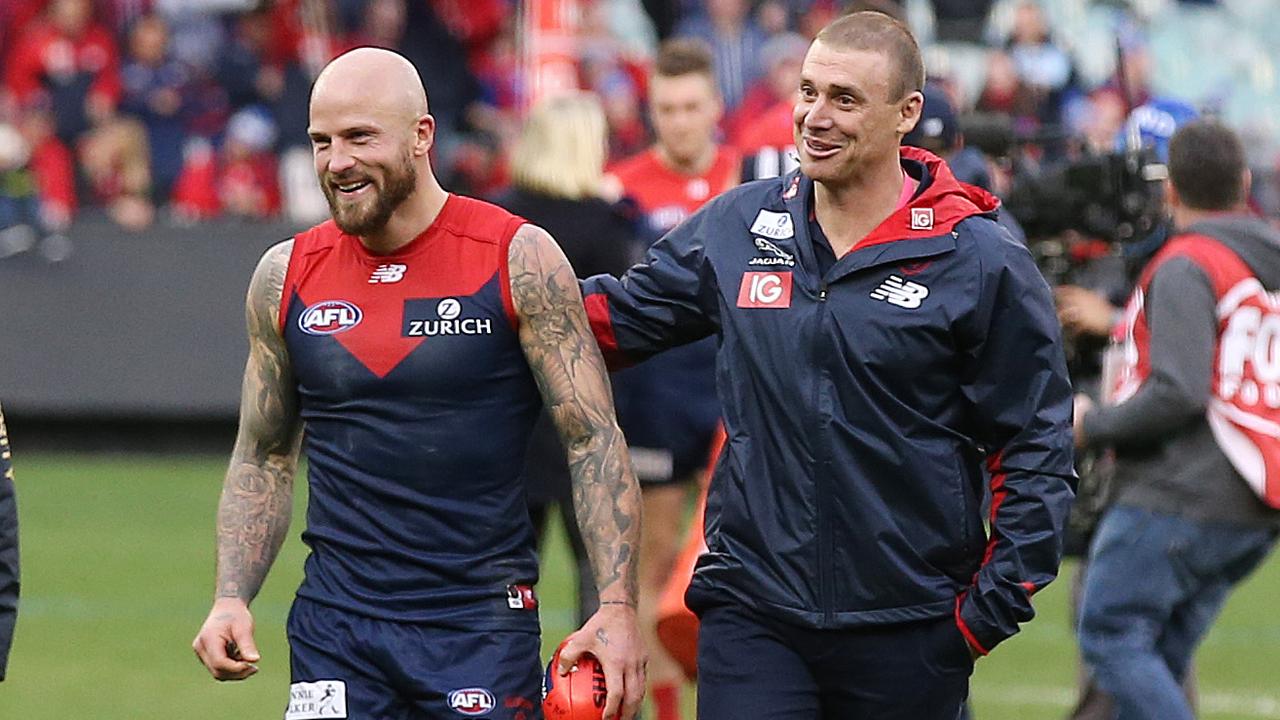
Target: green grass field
x,y
117,572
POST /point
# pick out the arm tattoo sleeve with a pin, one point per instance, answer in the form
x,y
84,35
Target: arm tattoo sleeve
x,y
566,363
257,495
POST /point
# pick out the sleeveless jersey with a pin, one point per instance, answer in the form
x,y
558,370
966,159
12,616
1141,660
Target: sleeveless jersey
x,y
667,197
418,404
1244,410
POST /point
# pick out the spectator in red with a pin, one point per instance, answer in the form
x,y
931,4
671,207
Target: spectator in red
x,y
248,184
240,180
73,61
53,166
156,88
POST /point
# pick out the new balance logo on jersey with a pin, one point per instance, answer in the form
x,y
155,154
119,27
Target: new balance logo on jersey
x,y
902,293
779,256
389,273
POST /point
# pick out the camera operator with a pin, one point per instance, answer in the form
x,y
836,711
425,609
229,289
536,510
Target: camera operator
x,y
1196,499
1095,222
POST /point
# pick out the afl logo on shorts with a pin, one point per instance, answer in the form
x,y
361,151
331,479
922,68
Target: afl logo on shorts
x,y
328,317
473,702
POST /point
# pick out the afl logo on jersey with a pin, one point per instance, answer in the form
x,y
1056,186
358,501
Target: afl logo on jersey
x,y
329,317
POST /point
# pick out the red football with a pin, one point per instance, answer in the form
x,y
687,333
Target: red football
x,y
577,696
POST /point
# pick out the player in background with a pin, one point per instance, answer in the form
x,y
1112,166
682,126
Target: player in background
x,y
8,550
668,406
415,337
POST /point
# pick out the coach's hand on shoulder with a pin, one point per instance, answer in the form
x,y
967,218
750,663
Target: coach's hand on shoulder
x,y
225,641
612,635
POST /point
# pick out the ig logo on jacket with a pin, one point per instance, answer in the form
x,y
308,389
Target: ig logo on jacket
x,y
765,290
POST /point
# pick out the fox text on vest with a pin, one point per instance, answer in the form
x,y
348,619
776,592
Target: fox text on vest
x,y
1252,337
765,290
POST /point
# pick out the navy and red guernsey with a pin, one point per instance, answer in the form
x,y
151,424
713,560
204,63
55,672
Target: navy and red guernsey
x,y
418,403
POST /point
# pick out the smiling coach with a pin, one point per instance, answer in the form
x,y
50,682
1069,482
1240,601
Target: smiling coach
x,y
881,338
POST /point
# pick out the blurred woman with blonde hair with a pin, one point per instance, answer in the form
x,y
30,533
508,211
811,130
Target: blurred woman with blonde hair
x,y
557,167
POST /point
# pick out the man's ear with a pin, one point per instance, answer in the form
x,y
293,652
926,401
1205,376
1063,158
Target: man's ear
x,y
426,135
910,108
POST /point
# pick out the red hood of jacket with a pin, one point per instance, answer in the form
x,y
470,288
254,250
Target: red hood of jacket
x,y
937,209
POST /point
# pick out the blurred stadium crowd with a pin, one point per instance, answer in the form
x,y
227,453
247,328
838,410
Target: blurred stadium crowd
x,y
181,111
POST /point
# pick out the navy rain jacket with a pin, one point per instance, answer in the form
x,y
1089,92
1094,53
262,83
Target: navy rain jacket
x,y
861,405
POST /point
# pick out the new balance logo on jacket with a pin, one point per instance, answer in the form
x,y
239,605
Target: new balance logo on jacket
x,y
902,293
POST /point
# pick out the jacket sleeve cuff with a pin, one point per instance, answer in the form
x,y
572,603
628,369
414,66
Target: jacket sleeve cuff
x,y
981,634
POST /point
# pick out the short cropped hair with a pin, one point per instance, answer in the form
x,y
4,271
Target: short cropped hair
x,y
1206,165
872,31
684,56
561,149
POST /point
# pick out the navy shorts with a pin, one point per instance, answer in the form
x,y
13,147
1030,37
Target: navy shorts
x,y
668,410
351,666
750,666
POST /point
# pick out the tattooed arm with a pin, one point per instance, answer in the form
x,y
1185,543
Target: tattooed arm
x,y
571,375
256,504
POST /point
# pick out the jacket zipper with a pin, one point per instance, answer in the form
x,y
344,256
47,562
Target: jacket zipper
x,y
822,473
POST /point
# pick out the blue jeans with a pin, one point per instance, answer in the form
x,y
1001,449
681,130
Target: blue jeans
x,y
1155,584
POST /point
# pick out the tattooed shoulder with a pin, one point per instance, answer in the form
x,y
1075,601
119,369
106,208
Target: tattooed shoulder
x,y
263,302
539,270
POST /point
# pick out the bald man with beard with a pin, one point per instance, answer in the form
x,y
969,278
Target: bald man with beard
x,y
411,341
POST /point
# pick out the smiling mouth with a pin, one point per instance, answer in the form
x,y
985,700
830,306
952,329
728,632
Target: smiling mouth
x,y
350,188
818,149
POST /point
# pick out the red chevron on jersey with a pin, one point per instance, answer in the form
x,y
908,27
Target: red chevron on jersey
x,y
361,299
